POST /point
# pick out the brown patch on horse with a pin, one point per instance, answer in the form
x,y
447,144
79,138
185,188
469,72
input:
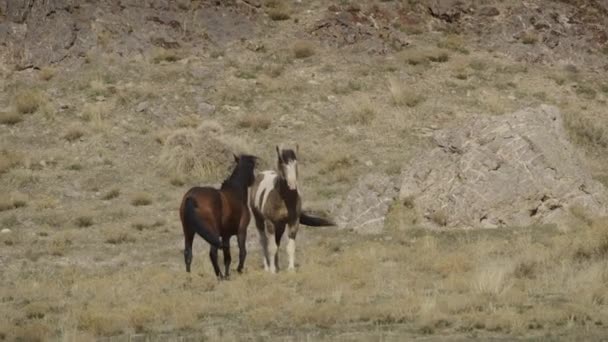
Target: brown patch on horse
x,y
218,214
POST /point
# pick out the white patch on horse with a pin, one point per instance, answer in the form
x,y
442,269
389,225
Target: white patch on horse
x,y
291,175
265,187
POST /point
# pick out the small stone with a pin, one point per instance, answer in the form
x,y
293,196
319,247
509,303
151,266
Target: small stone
x,y
5,231
142,106
489,11
205,109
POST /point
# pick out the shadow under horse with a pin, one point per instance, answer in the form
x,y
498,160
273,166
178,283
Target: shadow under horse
x,y
218,214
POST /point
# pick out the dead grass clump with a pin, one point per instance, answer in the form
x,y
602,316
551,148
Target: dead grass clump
x,y
279,13
28,101
402,96
73,133
586,92
10,118
362,111
46,73
303,49
12,201
491,280
118,236
110,194
586,130
438,56
9,160
454,42
165,55
84,221
141,199
101,322
439,217
141,225
255,122
529,38
194,154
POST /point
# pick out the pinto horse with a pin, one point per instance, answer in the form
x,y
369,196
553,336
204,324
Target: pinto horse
x,y
275,202
216,215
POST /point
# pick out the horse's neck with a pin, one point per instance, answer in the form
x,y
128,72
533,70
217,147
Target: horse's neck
x,y
287,194
236,185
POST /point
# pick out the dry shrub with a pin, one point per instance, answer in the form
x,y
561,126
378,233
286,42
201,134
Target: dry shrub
x,y
84,221
362,111
303,49
9,159
10,118
165,55
73,133
28,101
110,194
197,154
101,322
402,96
255,122
141,199
12,201
46,73
278,14
118,236
529,38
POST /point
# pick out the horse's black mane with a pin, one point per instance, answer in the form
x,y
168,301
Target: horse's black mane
x,y
242,173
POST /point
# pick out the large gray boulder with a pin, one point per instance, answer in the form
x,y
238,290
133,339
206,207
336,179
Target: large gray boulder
x,y
366,205
511,170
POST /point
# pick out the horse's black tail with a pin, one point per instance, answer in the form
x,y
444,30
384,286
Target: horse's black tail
x,y
314,221
192,220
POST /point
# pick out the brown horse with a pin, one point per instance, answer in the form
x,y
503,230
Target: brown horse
x,y
275,202
216,215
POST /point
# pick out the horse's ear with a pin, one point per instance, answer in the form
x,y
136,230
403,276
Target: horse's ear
x,y
236,158
279,153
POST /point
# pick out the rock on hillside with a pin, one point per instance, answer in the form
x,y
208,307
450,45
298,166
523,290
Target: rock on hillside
x,y
35,33
512,170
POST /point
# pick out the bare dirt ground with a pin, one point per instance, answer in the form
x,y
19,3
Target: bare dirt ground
x,y
98,145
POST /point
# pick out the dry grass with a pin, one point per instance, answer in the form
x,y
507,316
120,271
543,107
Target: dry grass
x,y
12,201
166,55
73,133
113,193
529,38
46,73
10,118
196,154
141,199
84,221
255,122
9,160
303,49
402,96
28,101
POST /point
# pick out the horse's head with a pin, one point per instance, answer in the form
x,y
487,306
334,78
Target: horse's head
x,y
246,163
287,166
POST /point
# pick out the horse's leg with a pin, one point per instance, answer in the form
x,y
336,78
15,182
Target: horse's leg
x,y
227,257
259,223
241,238
291,245
272,246
188,239
279,230
213,257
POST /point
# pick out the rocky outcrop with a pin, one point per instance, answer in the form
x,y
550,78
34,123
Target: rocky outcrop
x,y
35,33
512,170
365,207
